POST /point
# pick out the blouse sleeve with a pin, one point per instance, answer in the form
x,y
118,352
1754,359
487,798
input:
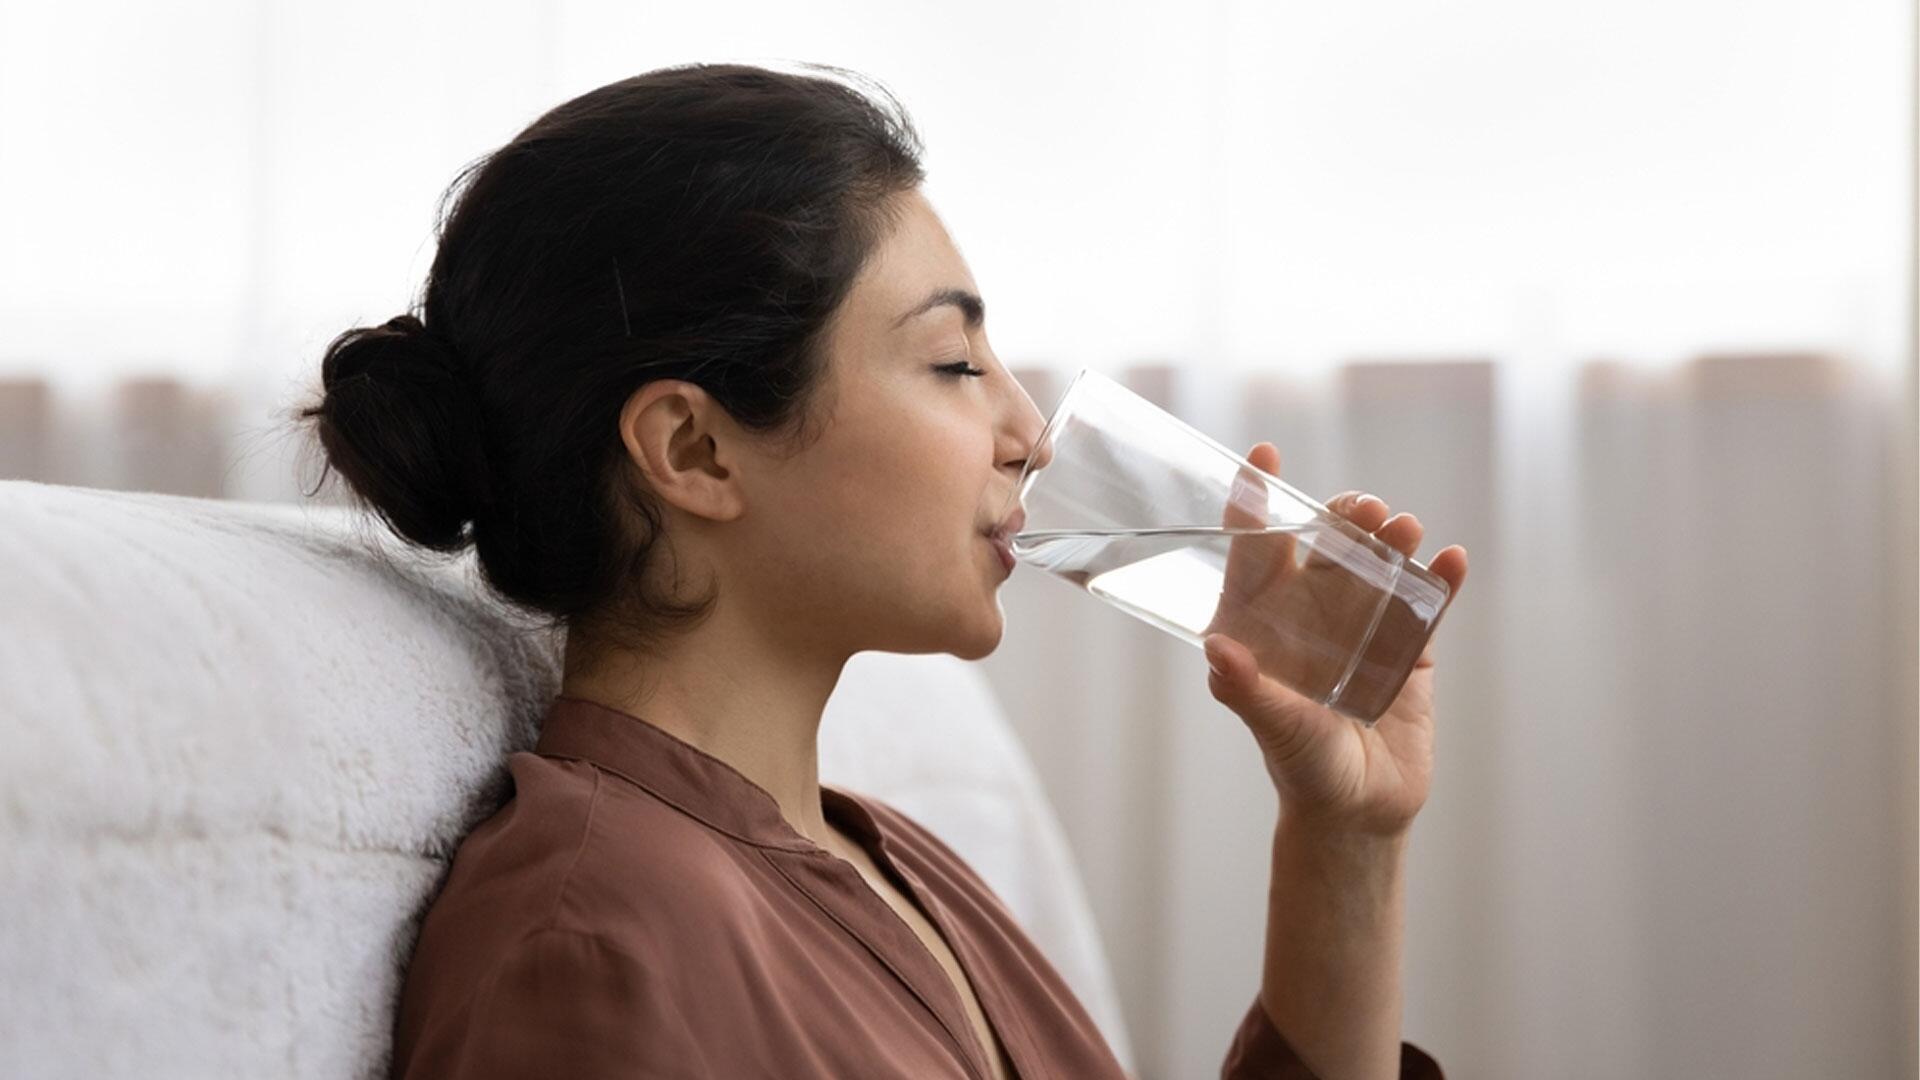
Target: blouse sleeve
x,y
1260,1052
567,1003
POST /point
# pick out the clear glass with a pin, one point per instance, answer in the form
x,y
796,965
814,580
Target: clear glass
x,y
1135,506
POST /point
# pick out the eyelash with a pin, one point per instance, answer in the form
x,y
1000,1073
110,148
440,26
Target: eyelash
x,y
960,368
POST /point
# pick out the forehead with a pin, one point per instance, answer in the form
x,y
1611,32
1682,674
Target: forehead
x,y
913,261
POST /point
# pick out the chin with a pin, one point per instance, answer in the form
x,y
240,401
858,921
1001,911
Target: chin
x,y
975,642
970,632
976,652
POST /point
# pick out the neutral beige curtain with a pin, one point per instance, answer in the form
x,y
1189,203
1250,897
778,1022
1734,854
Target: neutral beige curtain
x,y
1672,832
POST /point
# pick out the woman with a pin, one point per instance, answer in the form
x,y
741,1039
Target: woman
x,y
703,379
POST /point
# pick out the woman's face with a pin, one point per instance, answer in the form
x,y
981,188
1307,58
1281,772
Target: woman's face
x,y
875,535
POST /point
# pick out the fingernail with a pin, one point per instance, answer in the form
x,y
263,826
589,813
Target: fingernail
x,y
1212,664
1367,499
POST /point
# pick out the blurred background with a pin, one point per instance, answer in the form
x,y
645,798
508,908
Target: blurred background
x,y
1621,297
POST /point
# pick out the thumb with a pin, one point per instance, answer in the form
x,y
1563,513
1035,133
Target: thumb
x,y
1282,719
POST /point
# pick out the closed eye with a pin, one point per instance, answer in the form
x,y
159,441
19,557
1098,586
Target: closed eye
x,y
960,368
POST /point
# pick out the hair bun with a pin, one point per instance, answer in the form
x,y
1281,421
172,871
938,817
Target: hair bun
x,y
429,358
402,423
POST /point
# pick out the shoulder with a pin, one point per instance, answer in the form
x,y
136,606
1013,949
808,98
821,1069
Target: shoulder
x,y
555,1002
577,849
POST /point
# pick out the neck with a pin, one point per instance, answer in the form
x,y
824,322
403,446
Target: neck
x,y
765,725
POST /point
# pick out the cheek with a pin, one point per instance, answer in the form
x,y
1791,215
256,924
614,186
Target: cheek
x,y
923,471
864,522
917,549
896,503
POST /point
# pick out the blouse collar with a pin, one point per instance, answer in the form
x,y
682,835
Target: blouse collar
x,y
687,777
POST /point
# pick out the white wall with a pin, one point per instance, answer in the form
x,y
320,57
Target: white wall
x,y
216,187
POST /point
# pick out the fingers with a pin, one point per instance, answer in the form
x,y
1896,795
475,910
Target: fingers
x,y
1364,510
1246,501
1402,532
1255,561
1451,566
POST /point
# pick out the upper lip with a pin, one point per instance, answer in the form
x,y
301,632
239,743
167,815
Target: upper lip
x,y
1010,526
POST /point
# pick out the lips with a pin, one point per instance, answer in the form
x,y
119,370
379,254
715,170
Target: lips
x,y
1005,552
1001,536
1012,525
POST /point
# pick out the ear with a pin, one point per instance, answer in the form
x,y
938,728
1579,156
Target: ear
x,y
685,446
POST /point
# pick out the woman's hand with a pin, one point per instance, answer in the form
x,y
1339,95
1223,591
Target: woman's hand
x,y
1330,769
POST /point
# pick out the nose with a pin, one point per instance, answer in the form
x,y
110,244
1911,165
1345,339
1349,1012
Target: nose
x,y
1027,437
1042,457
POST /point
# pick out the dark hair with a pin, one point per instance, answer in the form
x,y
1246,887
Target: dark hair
x,y
701,222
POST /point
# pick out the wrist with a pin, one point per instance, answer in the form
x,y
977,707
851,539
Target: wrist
x,y
1331,980
1340,841
1344,833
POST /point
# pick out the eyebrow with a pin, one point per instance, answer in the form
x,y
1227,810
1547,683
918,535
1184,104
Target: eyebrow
x,y
970,304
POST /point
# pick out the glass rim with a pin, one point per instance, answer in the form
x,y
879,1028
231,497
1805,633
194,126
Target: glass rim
x,y
1060,410
1067,405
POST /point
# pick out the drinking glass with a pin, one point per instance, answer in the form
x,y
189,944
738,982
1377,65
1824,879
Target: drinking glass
x,y
1138,508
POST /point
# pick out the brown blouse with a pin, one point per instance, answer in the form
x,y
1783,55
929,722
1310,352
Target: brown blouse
x,y
639,908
